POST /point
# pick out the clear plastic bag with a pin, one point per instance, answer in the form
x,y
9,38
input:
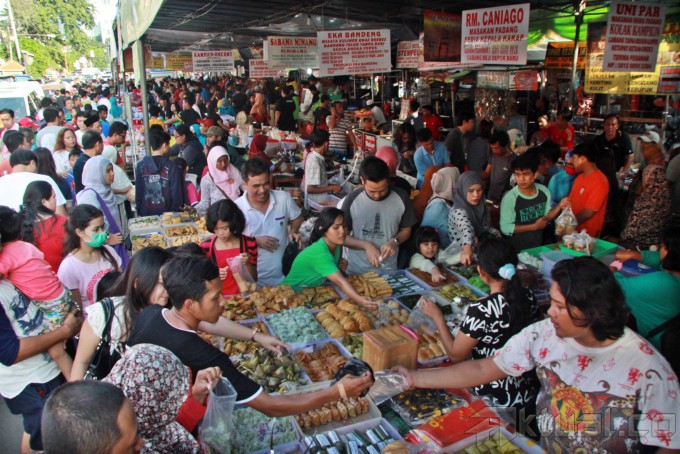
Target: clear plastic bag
x,y
216,430
244,280
387,385
566,223
420,322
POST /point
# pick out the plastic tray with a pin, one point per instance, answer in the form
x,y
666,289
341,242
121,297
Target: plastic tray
x,y
454,278
550,259
371,424
167,227
601,249
144,222
405,283
524,444
316,346
316,204
295,345
373,414
443,301
140,235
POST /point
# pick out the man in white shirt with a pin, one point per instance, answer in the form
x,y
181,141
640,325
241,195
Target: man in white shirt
x,y
272,217
377,113
12,187
316,180
47,136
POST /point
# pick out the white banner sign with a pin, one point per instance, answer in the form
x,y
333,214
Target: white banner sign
x,y
353,52
291,52
496,36
218,61
259,69
408,53
633,36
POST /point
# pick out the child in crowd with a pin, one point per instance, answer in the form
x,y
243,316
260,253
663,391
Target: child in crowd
x,y
190,193
525,209
25,266
226,221
88,259
427,242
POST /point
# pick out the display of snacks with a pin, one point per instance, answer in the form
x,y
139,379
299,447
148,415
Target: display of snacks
x,y
478,282
388,314
418,405
144,222
234,347
318,296
254,431
238,307
295,326
402,284
449,292
200,225
497,442
180,240
169,218
371,285
466,271
533,280
427,277
354,345
271,371
142,240
181,230
339,410
215,341
430,347
321,361
270,300
343,318
410,301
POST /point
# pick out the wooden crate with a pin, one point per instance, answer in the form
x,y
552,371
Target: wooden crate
x,y
388,347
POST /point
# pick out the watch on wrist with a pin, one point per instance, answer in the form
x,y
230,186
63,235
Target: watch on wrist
x,y
396,241
255,331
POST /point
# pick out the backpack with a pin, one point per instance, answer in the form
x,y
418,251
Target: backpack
x,y
670,341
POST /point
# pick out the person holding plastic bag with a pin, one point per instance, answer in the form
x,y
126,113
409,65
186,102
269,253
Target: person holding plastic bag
x,y
234,253
159,388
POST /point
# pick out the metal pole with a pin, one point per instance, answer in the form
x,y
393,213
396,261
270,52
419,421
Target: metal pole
x,y
579,5
13,29
138,49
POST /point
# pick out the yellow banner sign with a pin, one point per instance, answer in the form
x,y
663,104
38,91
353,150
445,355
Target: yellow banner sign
x,y
177,62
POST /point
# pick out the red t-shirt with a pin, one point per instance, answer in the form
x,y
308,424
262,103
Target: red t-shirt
x,y
221,257
590,192
49,237
433,124
5,168
562,137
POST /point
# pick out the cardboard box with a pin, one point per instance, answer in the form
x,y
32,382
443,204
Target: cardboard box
x,y
388,347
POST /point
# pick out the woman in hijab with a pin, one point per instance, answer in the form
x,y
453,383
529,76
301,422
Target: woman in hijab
x,y
157,385
468,219
122,186
257,148
391,158
98,176
436,215
423,197
222,181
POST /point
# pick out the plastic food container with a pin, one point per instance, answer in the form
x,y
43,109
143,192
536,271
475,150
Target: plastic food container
x,y
322,201
550,259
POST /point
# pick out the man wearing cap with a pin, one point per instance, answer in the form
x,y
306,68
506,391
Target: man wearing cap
x,y
216,134
28,122
203,126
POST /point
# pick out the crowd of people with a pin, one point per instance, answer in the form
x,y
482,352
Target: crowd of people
x,y
66,195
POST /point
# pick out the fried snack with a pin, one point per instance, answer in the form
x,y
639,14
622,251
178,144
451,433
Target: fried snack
x,y
335,411
180,240
343,318
370,285
238,308
270,300
181,230
233,347
323,364
146,240
244,286
200,224
430,347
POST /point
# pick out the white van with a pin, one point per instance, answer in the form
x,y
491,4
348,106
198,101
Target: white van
x,y
22,97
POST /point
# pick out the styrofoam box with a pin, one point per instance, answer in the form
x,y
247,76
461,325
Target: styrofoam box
x,y
325,198
524,444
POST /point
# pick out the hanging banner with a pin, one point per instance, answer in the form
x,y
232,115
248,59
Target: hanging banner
x,y
408,53
259,69
442,37
492,79
560,55
158,62
353,52
633,36
217,61
283,52
621,83
524,80
668,63
496,36
177,62
128,60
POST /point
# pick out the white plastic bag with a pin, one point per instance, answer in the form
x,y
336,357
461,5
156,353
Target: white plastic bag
x,y
216,430
387,385
244,280
566,223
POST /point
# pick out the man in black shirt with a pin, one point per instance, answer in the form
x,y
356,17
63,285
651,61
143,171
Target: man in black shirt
x,y
285,108
195,291
93,145
188,115
239,100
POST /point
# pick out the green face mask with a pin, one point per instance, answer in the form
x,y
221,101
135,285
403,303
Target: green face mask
x,y
98,240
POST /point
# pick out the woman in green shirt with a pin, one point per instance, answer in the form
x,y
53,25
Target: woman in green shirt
x,y
654,298
322,260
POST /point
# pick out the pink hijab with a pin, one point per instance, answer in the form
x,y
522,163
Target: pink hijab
x,y
391,158
222,177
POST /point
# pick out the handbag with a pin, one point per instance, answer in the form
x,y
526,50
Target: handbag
x,y
103,359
